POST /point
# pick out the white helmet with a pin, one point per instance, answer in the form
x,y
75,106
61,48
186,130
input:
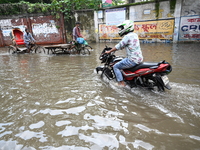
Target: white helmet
x,y
126,27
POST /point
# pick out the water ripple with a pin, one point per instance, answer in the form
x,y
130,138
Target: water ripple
x,y
54,102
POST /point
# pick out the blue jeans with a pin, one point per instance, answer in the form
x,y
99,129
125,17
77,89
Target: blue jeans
x,y
123,64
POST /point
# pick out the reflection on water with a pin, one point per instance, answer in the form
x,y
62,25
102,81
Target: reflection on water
x,y
60,103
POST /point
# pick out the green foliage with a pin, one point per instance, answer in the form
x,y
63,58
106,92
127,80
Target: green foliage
x,y
117,2
31,1
157,6
172,6
8,1
67,7
55,7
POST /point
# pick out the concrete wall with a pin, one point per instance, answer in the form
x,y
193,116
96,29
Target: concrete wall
x,y
137,13
45,29
190,7
86,17
189,25
182,24
144,15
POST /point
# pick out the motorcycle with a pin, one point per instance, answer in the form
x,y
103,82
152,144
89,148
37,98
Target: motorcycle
x,y
149,75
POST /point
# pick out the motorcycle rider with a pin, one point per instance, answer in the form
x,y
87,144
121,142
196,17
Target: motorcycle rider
x,y
131,43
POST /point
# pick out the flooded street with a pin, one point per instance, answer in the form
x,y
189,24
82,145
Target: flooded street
x,y
58,102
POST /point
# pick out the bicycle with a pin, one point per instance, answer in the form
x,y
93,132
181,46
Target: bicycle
x,y
77,48
89,47
14,49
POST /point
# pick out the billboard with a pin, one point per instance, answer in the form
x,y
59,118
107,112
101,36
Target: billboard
x,y
189,28
106,3
115,16
108,32
159,29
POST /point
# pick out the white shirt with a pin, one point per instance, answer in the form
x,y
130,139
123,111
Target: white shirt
x,y
132,45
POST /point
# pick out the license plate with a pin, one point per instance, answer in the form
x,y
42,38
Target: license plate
x,y
165,80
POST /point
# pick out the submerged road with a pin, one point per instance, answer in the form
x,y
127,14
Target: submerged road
x,y
58,102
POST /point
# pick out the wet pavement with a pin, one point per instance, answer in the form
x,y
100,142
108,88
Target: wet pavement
x,y
58,102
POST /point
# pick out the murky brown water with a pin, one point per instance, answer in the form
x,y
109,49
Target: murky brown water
x,y
53,102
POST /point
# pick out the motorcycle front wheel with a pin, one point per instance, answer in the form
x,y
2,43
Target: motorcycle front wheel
x,y
108,73
104,77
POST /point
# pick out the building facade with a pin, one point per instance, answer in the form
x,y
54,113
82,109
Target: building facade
x,y
152,24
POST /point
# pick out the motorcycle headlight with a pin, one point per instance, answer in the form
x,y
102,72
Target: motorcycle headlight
x,y
103,57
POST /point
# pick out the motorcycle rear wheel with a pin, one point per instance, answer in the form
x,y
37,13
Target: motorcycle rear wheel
x,y
154,84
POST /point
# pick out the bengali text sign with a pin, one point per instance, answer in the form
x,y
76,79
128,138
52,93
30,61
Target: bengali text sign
x,y
161,29
189,28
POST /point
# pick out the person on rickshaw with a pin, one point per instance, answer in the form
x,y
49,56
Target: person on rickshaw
x,y
77,37
76,33
28,40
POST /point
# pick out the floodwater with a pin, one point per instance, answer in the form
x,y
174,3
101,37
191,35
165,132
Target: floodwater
x,y
58,102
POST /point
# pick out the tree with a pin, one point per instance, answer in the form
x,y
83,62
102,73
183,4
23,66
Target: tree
x,y
9,1
31,1
55,7
118,2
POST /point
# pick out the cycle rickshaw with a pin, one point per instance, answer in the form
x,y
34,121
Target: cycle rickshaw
x,y
18,41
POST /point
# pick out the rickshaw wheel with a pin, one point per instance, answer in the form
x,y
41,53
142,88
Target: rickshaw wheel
x,y
12,50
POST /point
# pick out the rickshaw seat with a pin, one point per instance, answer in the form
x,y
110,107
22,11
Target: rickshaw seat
x,y
18,36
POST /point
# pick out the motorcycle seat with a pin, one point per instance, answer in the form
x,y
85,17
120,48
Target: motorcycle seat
x,y
144,65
